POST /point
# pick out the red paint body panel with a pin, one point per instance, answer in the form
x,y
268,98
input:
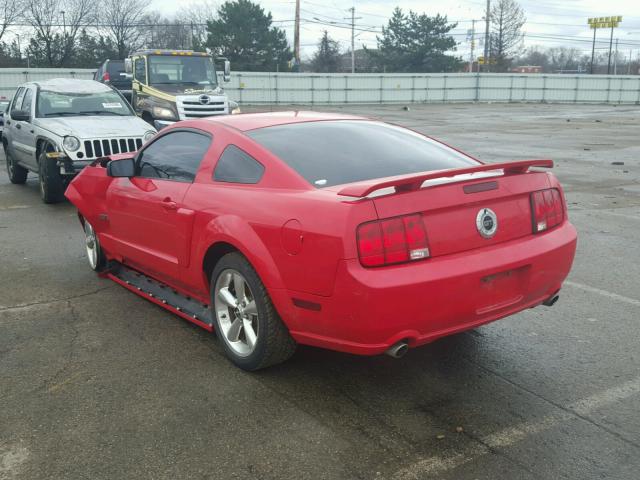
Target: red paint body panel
x,y
302,241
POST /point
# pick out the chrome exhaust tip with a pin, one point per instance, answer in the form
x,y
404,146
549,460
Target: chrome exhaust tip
x,y
398,350
549,302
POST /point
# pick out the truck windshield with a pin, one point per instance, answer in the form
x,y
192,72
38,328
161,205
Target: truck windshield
x,y
59,104
182,70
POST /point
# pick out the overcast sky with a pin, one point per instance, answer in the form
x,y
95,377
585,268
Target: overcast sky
x,y
546,19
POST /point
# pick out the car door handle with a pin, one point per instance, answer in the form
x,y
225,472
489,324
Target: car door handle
x,y
169,204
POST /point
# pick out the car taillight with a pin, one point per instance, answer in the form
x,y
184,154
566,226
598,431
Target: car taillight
x,y
106,77
546,209
393,240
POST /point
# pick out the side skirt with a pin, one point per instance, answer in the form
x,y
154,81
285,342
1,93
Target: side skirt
x,y
162,295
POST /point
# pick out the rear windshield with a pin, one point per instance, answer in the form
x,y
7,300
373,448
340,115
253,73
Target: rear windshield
x,y
115,67
330,153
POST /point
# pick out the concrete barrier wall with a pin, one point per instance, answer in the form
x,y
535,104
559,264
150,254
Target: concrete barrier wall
x,y
254,88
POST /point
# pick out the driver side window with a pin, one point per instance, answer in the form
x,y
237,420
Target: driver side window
x,y
175,156
141,70
17,100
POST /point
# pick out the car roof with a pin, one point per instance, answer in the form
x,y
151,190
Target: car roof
x,y
252,121
72,85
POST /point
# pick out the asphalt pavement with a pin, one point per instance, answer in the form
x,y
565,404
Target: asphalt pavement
x,y
97,383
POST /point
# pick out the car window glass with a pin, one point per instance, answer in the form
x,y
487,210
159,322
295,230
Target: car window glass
x,y
17,100
28,100
140,70
236,166
174,156
337,152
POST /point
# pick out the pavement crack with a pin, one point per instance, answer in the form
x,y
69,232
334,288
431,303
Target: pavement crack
x,y
56,300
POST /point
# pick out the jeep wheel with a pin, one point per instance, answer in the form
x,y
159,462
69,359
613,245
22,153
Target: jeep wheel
x,y
247,324
51,182
17,174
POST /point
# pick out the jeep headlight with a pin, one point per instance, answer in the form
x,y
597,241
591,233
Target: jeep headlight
x,y
71,143
148,136
234,108
162,112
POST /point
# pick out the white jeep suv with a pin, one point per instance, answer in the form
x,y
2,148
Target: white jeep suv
x,y
56,127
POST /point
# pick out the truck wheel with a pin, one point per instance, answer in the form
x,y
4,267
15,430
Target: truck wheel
x,y
247,324
51,182
94,252
17,174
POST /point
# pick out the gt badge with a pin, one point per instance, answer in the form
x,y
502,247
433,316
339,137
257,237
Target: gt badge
x,y
487,222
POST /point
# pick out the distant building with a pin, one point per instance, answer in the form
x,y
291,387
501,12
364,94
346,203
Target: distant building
x,y
527,69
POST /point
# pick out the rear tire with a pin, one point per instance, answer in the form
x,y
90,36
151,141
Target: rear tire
x,y
247,325
51,182
17,174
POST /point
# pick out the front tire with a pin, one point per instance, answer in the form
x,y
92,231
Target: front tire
x,y
51,182
247,325
94,251
17,174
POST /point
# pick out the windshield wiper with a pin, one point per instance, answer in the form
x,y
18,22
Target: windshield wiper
x,y
101,112
60,114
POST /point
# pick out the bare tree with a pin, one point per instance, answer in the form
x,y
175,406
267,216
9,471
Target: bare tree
x,y
10,11
507,20
123,18
56,43
195,17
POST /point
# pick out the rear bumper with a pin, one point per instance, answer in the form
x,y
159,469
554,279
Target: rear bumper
x,y
371,309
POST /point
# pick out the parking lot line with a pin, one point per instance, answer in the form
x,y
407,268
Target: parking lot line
x,y
599,291
484,445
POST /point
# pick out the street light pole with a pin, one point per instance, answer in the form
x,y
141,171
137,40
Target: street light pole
x,y
64,24
610,48
593,49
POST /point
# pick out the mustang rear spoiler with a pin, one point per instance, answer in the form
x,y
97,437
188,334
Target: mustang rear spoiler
x,y
414,181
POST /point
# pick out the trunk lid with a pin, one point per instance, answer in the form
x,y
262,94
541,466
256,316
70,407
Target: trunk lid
x,y
455,207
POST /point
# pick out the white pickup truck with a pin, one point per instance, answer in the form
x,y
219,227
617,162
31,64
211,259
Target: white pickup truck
x,y
56,127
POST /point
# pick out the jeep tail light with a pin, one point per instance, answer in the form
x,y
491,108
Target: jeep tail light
x,y
106,77
546,209
391,241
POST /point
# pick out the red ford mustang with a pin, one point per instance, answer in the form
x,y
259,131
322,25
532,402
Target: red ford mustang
x,y
326,230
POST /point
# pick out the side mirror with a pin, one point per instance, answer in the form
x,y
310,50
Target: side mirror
x,y
128,66
227,71
124,167
21,116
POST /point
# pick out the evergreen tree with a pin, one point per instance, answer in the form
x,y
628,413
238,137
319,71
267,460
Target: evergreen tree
x,y
244,34
416,43
327,58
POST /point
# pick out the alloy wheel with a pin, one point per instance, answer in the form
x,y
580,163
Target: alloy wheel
x,y
236,312
91,242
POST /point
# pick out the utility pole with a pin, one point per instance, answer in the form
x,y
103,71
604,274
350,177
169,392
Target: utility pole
x,y
296,36
473,45
64,24
353,37
615,60
629,64
486,35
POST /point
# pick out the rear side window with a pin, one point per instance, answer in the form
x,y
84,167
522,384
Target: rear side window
x,y
237,166
175,156
330,153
